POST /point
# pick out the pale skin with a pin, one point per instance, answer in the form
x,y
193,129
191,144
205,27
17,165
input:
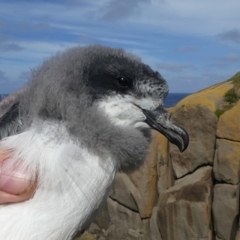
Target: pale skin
x,y
14,184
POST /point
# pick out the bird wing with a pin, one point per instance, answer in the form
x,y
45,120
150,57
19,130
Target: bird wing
x,y
10,122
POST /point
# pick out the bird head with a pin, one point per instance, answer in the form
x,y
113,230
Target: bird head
x,y
131,94
105,97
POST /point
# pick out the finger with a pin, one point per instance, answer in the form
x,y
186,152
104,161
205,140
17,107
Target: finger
x,y
11,198
15,186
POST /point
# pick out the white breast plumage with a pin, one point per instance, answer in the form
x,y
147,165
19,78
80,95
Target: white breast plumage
x,y
72,183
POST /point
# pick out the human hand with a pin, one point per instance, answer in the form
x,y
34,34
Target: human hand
x,y
14,183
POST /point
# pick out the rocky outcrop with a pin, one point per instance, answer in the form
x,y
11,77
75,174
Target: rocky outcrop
x,y
179,196
228,126
201,124
226,211
227,161
184,209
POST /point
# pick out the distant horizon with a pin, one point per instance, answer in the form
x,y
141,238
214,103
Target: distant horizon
x,y
168,93
171,100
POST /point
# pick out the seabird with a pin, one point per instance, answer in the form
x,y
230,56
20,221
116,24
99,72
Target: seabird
x,y
83,116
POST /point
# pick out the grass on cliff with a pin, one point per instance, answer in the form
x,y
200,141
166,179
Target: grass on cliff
x,y
219,112
236,79
231,97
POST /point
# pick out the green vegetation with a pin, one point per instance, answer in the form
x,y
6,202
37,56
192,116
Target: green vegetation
x,y
231,96
219,112
236,79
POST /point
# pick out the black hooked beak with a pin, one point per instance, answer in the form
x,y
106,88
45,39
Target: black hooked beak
x,y
159,119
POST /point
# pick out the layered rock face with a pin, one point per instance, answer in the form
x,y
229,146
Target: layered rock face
x,y
179,196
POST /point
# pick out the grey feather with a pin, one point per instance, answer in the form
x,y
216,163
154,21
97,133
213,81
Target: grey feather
x,y
64,89
10,122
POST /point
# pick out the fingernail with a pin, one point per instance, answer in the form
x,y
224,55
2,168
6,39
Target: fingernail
x,y
13,181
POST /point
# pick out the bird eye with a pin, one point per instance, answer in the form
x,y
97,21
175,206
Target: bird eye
x,y
123,81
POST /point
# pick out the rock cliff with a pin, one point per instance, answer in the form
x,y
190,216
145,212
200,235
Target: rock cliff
x,y
180,196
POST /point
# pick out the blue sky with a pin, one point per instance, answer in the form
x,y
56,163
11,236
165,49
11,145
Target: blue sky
x,y
193,44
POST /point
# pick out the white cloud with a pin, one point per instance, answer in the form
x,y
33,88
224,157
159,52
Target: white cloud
x,y
187,16
10,46
162,32
188,49
232,35
3,77
232,57
175,67
192,17
34,54
188,82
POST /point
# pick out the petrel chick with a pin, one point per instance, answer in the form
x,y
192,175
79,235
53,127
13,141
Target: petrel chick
x,y
81,118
